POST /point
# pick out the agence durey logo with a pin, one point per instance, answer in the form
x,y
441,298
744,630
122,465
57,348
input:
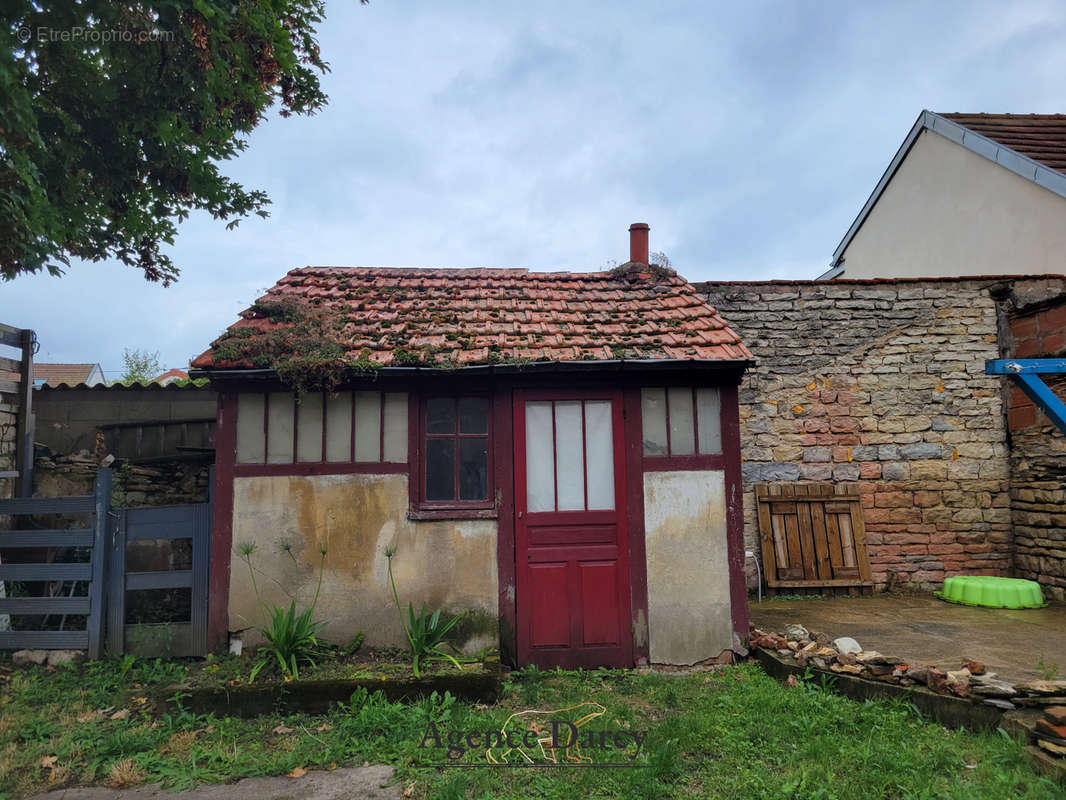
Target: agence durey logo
x,y
575,736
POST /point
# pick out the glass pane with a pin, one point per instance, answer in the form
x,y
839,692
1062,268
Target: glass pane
x,y
281,418
599,454
251,441
709,416
653,416
158,605
396,427
339,427
473,415
440,415
569,459
682,425
540,463
158,555
309,428
473,469
367,426
440,469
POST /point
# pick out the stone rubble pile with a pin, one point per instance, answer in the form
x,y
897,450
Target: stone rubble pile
x,y
1051,730
972,681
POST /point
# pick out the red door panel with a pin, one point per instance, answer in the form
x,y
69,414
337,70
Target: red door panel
x,y
572,575
548,594
600,620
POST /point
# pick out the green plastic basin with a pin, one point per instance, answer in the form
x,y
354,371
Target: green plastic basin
x,y
985,590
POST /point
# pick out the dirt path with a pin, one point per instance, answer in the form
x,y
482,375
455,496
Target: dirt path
x,y
353,783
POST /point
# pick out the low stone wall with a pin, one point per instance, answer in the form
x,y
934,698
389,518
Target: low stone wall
x,y
1037,324
164,483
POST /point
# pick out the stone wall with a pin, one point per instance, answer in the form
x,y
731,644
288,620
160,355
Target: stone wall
x,y
881,384
8,439
163,483
1037,324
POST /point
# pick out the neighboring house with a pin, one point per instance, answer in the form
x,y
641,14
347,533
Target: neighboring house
x,y
170,376
965,194
555,453
69,374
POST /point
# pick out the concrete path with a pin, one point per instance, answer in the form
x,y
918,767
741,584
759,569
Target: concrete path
x,y
353,783
924,630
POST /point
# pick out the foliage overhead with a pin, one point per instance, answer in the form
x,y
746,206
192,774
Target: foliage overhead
x,y
115,117
139,366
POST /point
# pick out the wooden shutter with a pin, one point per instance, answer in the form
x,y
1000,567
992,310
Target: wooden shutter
x,y
813,536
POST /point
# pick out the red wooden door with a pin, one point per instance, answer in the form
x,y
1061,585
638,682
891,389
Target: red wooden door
x,y
572,576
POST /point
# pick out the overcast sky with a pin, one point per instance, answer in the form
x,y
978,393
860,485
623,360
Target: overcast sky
x,y
531,134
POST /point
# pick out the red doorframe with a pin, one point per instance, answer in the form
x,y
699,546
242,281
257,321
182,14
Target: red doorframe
x,y
577,553
221,522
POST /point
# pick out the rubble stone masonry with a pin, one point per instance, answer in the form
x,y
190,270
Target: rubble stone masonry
x,y
881,384
1038,449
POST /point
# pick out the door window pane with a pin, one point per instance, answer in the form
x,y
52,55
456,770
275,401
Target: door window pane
x,y
279,430
440,469
682,429
709,416
473,415
309,428
440,415
339,427
653,415
540,460
599,454
473,469
569,458
367,426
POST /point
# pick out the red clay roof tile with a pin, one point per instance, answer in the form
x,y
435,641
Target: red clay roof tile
x,y
1041,137
400,316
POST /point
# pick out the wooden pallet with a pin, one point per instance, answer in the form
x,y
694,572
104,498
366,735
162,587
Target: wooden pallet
x,y
813,539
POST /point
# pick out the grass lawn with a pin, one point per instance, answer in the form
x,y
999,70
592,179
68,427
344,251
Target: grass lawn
x,y
734,733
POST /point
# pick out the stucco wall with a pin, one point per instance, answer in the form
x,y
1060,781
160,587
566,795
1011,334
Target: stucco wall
x,y
445,564
688,570
949,211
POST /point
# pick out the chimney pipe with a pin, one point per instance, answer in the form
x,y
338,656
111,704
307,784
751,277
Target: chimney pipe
x,y
638,242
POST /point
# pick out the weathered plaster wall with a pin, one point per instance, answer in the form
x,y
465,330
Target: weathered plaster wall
x,y
444,564
1038,449
688,570
957,208
882,384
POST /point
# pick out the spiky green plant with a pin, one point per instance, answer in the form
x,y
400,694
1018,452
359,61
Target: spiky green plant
x,y
292,639
426,632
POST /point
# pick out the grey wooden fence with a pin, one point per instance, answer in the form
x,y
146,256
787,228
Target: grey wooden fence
x,y
93,537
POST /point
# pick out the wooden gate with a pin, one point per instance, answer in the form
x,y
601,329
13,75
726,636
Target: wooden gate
x,y
813,537
168,548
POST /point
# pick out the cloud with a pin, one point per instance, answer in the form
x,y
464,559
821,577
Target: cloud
x,y
520,134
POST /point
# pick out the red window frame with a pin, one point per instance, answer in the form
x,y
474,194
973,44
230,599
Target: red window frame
x,y
453,508
693,461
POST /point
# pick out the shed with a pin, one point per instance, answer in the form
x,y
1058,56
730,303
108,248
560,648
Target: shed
x,y
556,453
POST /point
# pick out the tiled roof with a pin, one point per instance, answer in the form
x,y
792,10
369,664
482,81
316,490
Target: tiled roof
x,y
1041,137
465,317
55,374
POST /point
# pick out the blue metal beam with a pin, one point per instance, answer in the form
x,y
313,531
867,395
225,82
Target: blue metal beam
x,y
1021,366
1025,372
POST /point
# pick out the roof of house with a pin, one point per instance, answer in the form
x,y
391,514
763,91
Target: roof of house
x,y
56,374
172,375
469,317
1033,146
1041,137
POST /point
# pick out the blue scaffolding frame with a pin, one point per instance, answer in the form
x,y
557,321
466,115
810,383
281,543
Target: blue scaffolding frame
x,y
1026,373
